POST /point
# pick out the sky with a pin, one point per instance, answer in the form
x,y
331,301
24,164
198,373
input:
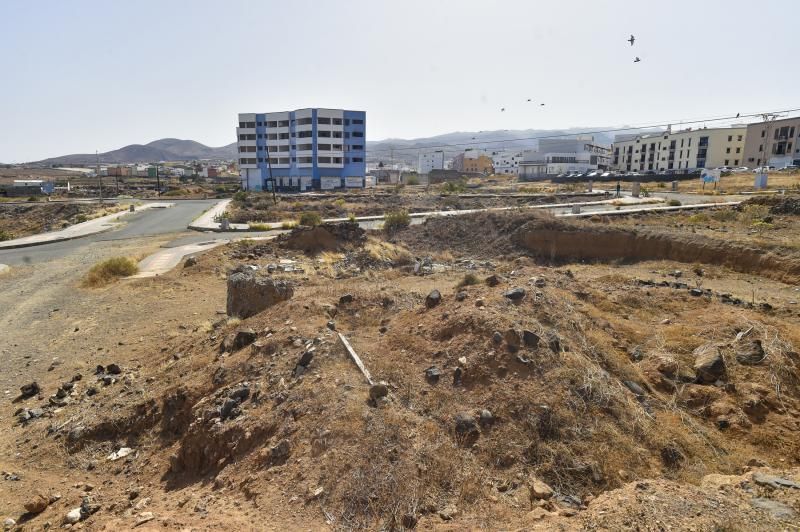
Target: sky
x,y
85,75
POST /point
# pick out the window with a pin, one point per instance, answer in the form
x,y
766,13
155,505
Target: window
x,y
260,136
357,147
358,159
736,162
242,124
304,121
260,124
305,160
283,160
727,150
272,136
738,150
304,135
305,147
337,147
358,122
283,123
760,147
727,161
730,138
739,138
283,136
358,134
273,123
337,134
323,120
324,147
261,159
324,160
337,160
347,121
763,133
294,159
324,134
337,121
690,142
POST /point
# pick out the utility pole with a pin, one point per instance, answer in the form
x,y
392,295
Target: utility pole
x,y
97,171
158,183
271,178
768,119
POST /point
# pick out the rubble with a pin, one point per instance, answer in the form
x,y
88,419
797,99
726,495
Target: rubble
x,y
249,293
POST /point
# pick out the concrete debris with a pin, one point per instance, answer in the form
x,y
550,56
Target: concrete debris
x,y
249,293
121,453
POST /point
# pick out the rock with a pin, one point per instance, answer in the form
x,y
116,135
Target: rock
x,y
515,294
486,418
776,509
345,299
8,523
480,303
709,366
144,517
121,453
243,338
666,321
61,393
461,296
774,482
249,293
448,513
554,342
465,424
29,390
751,353
91,390
37,504
539,490
458,374
497,338
306,358
229,409
113,369
378,391
635,388
280,452
241,393
433,299
512,339
331,325
493,280
530,339
432,374
68,386
191,261
696,292
73,516
539,282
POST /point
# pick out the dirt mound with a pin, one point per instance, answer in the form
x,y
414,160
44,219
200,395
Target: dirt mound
x,y
788,204
324,237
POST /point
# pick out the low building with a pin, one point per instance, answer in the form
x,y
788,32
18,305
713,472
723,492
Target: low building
x,y
775,143
209,172
473,161
680,152
306,149
559,156
506,162
432,160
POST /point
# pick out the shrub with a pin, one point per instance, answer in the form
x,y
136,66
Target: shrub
x,y
288,225
394,220
351,218
240,197
33,198
724,215
469,279
310,219
224,215
452,187
412,179
109,270
259,227
5,235
699,217
81,218
339,202
674,203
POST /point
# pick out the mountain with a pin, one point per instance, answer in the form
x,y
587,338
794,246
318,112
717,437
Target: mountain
x,y
158,150
407,151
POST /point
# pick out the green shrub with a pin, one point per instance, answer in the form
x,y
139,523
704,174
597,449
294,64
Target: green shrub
x,y
310,219
288,225
394,220
351,218
339,202
5,235
469,279
240,197
674,203
453,187
698,218
724,215
412,179
33,198
224,215
80,218
109,270
259,227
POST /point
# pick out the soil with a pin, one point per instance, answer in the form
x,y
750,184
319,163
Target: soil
x,y
588,383
18,220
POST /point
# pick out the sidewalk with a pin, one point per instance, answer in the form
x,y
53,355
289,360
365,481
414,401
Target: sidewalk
x,y
205,222
98,225
649,209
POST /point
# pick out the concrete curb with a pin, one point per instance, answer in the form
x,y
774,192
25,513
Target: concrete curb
x,y
104,223
651,209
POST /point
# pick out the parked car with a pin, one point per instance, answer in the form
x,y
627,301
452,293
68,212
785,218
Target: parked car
x,y
607,174
594,173
790,167
740,169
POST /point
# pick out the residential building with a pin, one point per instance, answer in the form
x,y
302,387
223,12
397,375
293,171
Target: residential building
x,y
506,162
558,156
680,152
303,150
432,160
209,172
473,161
775,143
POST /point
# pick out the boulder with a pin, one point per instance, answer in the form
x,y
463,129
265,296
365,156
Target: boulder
x,y
243,338
191,261
530,339
113,369
432,374
493,280
433,299
37,504
750,353
73,516
709,366
515,294
378,391
486,419
539,490
461,295
465,424
249,294
345,299
29,390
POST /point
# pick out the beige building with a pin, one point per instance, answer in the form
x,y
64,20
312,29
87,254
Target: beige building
x,y
474,162
680,152
773,143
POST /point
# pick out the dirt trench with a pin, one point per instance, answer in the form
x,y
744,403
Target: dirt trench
x,y
560,241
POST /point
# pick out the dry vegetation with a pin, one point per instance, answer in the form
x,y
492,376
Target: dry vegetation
x,y
110,270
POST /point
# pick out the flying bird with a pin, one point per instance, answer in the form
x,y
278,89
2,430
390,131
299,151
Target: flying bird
x,y
502,109
637,60
541,105
529,99
737,115
632,39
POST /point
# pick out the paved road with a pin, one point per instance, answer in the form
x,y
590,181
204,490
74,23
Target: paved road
x,y
146,223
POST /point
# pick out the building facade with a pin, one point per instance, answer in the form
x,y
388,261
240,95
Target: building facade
x,y
432,160
473,161
306,149
680,152
559,156
506,162
775,143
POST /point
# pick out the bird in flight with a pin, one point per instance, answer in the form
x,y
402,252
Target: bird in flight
x,y
637,60
737,115
502,109
541,105
529,99
632,39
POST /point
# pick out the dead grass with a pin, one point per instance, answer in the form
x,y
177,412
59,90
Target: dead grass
x,y
110,270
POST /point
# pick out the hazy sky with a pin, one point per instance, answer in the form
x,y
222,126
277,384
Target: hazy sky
x,y
79,76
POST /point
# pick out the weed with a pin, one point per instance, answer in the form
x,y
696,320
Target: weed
x,y
395,220
259,227
351,218
5,235
240,197
469,279
698,218
674,203
454,187
412,179
224,215
289,225
310,219
80,218
110,270
723,215
339,202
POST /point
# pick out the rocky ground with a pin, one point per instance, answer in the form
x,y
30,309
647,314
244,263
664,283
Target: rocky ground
x,y
19,220
503,384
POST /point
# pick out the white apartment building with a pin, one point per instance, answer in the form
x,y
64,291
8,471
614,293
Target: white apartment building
x,y
680,152
506,162
559,156
432,160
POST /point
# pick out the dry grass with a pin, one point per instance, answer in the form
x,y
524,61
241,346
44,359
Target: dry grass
x,y
110,270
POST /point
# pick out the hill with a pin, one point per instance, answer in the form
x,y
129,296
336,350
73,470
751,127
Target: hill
x,y
168,149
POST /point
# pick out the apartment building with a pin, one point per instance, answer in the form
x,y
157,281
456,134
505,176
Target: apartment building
x,y
473,161
432,160
775,143
559,156
306,149
506,162
680,152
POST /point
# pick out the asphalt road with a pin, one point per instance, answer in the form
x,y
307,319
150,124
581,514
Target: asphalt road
x,y
146,223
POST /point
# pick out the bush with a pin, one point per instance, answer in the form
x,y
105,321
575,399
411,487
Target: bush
x,y
109,270
339,202
310,219
80,218
240,197
724,215
259,227
674,203
394,220
698,218
412,179
5,235
224,215
452,187
469,279
33,198
351,218
288,225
